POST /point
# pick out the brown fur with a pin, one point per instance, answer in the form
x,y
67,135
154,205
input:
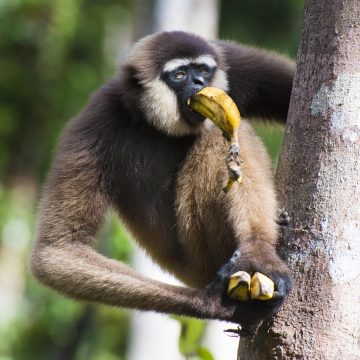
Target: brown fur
x,y
167,191
222,223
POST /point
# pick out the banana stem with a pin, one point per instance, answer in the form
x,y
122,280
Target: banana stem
x,y
233,163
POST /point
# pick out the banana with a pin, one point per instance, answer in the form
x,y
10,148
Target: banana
x,y
261,287
220,108
239,286
243,287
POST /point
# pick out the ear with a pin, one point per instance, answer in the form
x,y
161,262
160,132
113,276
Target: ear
x,y
131,89
130,77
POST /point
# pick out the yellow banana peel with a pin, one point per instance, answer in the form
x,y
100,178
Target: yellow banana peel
x,y
243,287
261,287
239,286
220,108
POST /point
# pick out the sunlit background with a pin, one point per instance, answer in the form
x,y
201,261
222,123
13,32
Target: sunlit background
x,y
53,54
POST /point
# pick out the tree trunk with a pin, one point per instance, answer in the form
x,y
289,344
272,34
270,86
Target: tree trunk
x,y
318,179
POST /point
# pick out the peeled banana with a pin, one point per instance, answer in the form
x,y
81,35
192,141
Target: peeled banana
x,y
243,287
217,106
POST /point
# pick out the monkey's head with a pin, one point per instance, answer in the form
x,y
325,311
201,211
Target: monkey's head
x,y
164,70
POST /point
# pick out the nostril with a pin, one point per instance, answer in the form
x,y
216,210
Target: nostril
x,y
199,82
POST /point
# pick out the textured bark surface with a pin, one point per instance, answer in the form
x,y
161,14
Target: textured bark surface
x,y
318,179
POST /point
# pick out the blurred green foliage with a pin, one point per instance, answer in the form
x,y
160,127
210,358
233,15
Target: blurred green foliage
x,y
272,24
192,333
52,58
53,54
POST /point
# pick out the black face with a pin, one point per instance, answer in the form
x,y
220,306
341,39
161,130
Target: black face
x,y
186,81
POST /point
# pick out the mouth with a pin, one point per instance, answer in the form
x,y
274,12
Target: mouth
x,y
190,115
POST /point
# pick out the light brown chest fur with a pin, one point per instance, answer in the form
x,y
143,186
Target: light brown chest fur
x,y
210,222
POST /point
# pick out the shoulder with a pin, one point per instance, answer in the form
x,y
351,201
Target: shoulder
x,y
239,54
92,134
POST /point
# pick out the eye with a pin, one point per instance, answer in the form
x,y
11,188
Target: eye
x,y
179,75
204,71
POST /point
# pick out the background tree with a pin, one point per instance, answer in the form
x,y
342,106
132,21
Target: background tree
x,y
319,185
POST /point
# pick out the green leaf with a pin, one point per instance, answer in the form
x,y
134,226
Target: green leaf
x,y
192,331
204,354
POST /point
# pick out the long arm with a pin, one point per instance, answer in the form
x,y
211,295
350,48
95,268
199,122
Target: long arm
x,y
71,211
260,81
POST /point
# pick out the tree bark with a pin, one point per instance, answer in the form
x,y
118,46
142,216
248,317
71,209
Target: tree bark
x,y
318,180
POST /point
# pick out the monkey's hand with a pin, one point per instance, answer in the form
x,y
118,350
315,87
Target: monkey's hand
x,y
249,314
